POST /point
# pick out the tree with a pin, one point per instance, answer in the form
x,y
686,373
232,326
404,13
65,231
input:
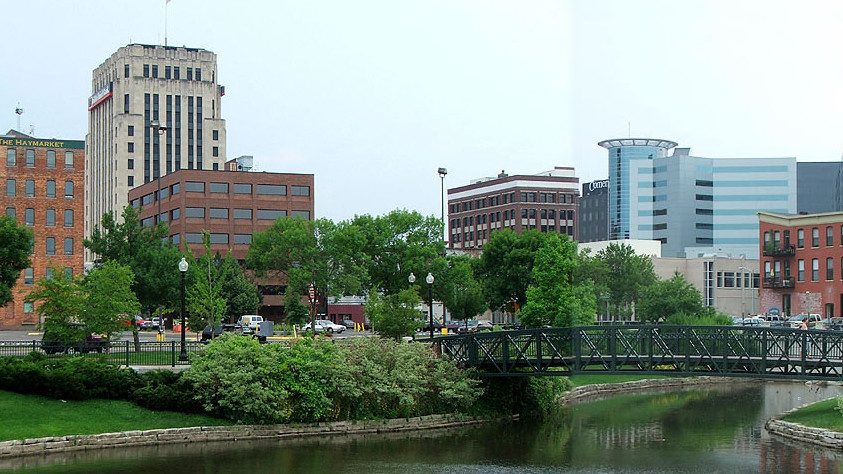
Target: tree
x,y
623,275
395,316
61,303
206,305
241,295
506,266
305,254
666,298
554,297
110,300
461,293
15,245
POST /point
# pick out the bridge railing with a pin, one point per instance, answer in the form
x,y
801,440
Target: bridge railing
x,y
724,350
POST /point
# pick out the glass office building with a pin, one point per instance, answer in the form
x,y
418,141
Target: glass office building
x,y
694,205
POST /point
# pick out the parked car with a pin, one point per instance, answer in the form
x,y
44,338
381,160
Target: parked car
x,y
753,321
218,330
250,321
796,320
775,320
151,324
348,323
831,324
474,325
325,326
79,340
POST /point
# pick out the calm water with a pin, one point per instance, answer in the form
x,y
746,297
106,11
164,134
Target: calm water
x,y
717,429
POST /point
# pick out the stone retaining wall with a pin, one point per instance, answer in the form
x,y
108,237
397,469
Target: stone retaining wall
x,y
602,389
806,434
58,444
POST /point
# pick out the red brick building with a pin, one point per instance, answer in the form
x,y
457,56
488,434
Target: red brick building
x,y
545,201
802,263
43,188
230,205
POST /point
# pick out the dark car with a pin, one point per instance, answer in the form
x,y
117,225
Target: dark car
x,y
218,330
348,323
77,340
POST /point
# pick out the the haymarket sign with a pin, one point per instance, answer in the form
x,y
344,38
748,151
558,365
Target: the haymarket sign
x,y
39,143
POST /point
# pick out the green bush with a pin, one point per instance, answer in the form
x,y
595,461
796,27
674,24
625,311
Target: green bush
x,y
527,396
70,378
707,317
166,390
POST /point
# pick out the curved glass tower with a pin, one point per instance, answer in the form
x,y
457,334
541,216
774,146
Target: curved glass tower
x,y
626,155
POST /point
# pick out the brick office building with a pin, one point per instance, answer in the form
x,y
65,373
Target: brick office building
x,y
802,262
231,205
43,189
544,201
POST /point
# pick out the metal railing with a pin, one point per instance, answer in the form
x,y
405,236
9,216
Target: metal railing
x,y
647,349
118,352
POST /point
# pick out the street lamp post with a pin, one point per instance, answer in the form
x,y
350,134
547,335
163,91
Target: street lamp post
x,y
182,270
442,172
429,280
743,271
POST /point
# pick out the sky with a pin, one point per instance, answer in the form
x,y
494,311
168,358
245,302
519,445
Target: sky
x,y
372,96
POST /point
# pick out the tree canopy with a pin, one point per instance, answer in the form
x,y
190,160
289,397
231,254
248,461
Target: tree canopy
x,y
666,298
15,246
622,275
461,293
506,266
396,315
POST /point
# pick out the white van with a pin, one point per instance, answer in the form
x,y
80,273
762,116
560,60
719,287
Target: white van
x,y
250,321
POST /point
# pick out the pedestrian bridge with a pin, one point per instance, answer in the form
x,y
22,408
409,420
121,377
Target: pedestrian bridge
x,y
732,351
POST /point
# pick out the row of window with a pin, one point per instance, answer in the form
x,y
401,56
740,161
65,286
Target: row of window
x,y
222,188
50,246
29,275
778,269
29,188
170,72
222,213
738,280
547,214
49,217
774,239
29,158
196,238
482,234
506,198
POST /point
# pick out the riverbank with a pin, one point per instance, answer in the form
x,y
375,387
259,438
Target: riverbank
x,y
592,391
814,423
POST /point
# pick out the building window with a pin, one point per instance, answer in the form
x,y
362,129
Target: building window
x,y
68,273
51,245
130,131
219,238
11,213
148,222
50,217
131,147
163,193
30,158
829,268
68,189
125,70
130,180
218,187
829,236
131,164
242,239
243,214
147,199
175,189
11,157
193,238
51,159
30,188
800,238
273,189
11,188
800,270
194,212
815,269
155,71
190,74
28,276
68,160
176,72
219,213
215,135
175,238
242,188
270,214
728,279
68,245
215,151
29,216
125,103
194,187
199,74
302,214
51,188
301,190
815,237
68,217
167,72
146,70
175,214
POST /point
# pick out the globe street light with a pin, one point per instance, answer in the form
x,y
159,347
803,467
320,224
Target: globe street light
x,y
429,280
182,270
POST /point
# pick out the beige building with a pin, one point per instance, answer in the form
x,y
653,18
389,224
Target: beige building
x,y
153,110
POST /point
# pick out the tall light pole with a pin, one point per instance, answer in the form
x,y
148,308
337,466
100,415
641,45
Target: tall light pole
x,y
442,172
743,271
182,270
429,280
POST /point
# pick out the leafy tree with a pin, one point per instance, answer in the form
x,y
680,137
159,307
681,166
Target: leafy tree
x,y
297,312
506,266
554,297
241,295
15,244
400,243
110,300
61,303
204,299
461,293
394,316
303,253
666,298
621,273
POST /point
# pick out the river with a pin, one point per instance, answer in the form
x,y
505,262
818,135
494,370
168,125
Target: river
x,y
715,429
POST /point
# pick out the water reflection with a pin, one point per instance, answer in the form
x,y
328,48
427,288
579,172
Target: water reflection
x,y
713,429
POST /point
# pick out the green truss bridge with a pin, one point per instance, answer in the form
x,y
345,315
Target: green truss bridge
x,y
731,351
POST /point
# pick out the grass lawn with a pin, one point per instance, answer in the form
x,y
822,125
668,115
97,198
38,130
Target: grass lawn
x,y
30,416
819,415
580,380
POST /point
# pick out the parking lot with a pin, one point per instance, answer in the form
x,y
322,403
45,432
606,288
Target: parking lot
x,y
150,335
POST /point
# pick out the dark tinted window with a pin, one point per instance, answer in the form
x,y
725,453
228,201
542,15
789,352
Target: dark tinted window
x,y
242,213
219,213
194,187
270,214
194,212
301,190
219,187
276,189
242,188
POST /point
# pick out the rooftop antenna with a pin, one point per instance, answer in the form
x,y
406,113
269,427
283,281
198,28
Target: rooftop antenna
x,y
31,130
166,3
629,129
19,111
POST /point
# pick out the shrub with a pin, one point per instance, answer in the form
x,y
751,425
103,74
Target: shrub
x,y
71,378
166,390
527,396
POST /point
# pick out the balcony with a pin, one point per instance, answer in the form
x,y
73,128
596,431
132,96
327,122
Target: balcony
x,y
778,282
772,250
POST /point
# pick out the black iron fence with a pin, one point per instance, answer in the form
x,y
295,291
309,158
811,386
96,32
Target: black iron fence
x,y
117,352
690,350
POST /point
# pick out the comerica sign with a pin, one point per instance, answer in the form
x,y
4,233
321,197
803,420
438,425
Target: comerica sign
x,y
39,143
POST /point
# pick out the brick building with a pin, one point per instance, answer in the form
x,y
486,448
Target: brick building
x,y
802,262
230,205
43,188
544,201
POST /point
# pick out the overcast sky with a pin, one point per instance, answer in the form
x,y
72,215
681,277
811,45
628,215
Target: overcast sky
x,y
373,96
